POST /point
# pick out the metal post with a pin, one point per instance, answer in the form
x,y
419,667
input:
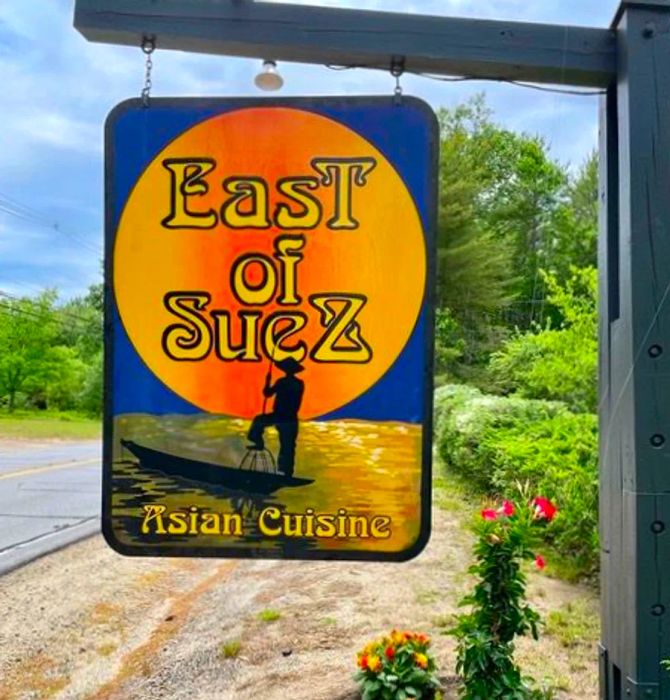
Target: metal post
x,y
635,358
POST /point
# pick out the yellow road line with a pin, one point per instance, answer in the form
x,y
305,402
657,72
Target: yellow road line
x,y
49,468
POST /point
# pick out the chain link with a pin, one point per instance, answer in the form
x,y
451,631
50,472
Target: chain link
x,y
397,69
148,47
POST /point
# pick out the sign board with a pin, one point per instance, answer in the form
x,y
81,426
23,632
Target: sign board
x,y
269,327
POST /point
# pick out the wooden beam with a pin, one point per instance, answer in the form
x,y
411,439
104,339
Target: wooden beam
x,y
437,45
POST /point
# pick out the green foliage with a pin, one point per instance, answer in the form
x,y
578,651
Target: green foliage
x,y
575,224
474,278
50,355
28,332
556,363
90,397
507,211
498,612
494,442
397,667
449,342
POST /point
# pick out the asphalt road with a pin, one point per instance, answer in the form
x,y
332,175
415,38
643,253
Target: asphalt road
x,y
49,497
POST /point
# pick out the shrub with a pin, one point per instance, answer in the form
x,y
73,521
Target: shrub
x,y
495,442
398,667
499,612
556,363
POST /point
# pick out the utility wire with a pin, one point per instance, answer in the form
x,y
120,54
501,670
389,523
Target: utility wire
x,y
466,78
63,312
13,207
10,311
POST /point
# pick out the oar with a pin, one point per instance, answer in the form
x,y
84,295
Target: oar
x,y
268,378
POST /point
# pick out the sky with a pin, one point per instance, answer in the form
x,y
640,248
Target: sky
x,y
57,89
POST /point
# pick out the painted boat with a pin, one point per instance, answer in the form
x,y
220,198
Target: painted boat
x,y
232,478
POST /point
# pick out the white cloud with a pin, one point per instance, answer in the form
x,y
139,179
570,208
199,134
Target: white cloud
x,y
57,89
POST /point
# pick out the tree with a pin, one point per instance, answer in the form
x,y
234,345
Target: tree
x,y
575,239
557,363
475,278
507,212
81,323
28,330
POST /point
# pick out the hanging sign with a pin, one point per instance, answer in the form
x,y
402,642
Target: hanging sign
x,y
269,327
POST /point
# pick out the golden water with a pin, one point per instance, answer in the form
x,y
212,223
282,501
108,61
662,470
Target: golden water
x,y
364,467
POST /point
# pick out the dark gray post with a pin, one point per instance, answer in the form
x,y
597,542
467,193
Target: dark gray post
x,y
635,358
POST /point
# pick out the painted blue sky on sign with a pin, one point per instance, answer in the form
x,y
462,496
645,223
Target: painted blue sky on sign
x,y
58,88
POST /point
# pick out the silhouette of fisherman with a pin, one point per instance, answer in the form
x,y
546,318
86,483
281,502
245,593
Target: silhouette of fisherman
x,y
288,391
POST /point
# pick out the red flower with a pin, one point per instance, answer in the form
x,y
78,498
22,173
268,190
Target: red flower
x,y
507,508
363,662
540,562
489,514
544,508
390,653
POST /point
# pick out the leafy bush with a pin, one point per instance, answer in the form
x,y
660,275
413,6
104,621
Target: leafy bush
x,y
556,363
499,612
496,442
397,667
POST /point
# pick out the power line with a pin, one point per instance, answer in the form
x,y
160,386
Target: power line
x,y
62,312
13,207
470,78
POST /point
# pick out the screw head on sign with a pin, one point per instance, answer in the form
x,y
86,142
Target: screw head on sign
x,y
657,440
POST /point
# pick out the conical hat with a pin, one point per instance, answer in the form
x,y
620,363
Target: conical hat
x,y
290,366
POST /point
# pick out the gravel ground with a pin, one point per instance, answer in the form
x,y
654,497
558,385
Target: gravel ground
x,y
86,623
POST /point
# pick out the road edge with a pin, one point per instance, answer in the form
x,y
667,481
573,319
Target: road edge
x,y
27,552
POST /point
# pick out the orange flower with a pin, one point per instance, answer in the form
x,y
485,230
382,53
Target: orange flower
x,y
421,660
363,661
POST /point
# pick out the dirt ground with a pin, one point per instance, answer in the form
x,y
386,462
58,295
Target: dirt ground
x,y
87,623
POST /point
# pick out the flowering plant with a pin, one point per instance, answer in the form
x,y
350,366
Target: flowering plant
x,y
506,536
398,666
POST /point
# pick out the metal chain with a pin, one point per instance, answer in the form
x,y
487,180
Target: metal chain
x,y
397,69
148,47
398,88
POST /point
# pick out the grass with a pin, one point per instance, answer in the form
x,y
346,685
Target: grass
x,y
39,425
268,615
427,597
576,624
230,649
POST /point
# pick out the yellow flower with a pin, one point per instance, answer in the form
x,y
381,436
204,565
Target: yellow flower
x,y
374,663
421,660
398,638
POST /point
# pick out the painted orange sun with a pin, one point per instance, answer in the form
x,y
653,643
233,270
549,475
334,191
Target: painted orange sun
x,y
382,261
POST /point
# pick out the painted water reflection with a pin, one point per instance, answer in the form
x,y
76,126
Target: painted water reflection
x,y
368,469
